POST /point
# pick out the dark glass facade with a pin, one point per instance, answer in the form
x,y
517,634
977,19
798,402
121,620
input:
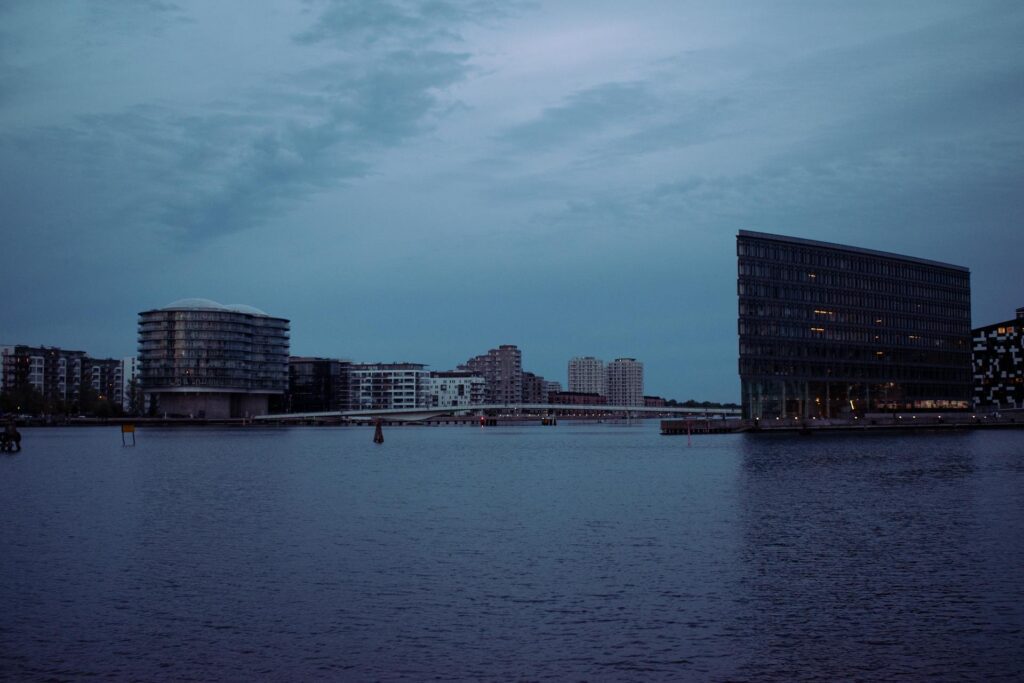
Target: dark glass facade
x,y
213,349
827,330
198,358
318,384
998,355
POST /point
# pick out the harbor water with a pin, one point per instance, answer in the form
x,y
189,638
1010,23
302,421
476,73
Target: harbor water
x,y
576,552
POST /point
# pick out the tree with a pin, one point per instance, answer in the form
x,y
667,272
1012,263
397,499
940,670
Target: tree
x,y
23,399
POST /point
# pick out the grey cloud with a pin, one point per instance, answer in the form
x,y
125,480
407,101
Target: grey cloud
x,y
197,176
275,164
409,23
584,113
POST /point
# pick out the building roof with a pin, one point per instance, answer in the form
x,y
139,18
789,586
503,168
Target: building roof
x,y
844,247
196,304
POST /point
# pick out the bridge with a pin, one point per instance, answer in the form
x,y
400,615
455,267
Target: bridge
x,y
421,414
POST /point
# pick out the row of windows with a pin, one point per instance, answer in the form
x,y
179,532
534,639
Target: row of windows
x,y
750,368
838,279
834,333
753,308
217,383
240,341
863,354
156,326
903,288
839,260
853,299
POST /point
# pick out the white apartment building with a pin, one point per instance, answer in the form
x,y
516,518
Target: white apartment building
x,y
455,389
129,376
588,375
625,382
387,386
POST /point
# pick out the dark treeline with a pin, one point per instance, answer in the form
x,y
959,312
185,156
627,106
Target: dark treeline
x,y
691,403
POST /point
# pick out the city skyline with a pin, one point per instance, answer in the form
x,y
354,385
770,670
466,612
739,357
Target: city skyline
x,y
422,181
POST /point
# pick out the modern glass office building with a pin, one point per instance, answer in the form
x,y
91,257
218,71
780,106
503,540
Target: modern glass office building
x,y
200,358
998,355
827,330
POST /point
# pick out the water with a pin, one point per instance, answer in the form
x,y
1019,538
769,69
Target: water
x,y
598,552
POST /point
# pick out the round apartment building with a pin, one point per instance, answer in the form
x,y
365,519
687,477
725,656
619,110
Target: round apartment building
x,y
200,358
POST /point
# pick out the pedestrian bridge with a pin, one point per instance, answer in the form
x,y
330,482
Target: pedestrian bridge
x,y
419,414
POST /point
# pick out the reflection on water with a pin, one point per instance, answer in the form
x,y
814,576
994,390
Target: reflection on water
x,y
596,552
864,556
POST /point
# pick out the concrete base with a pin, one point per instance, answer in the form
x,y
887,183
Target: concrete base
x,y
212,406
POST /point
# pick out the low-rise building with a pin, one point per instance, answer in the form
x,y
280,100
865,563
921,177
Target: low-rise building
x,y
577,398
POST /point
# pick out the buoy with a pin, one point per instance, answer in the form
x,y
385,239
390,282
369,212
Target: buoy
x,y
378,432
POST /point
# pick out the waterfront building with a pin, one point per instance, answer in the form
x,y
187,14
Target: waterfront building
x,y
832,330
318,385
55,380
577,398
388,386
625,382
551,387
52,373
588,375
201,358
455,389
131,392
104,376
502,369
534,388
654,402
998,364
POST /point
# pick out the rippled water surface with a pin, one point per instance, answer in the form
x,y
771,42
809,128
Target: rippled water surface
x,y
598,552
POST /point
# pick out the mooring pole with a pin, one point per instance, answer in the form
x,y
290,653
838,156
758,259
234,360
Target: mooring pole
x,y
378,432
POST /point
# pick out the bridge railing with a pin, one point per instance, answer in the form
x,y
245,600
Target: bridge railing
x,y
513,407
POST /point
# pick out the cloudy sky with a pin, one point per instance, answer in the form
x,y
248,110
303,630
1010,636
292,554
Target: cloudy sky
x,y
426,180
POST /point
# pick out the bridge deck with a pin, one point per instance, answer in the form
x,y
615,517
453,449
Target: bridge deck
x,y
427,413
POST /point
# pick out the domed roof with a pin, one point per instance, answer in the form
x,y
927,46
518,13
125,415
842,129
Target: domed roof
x,y
195,303
210,305
242,308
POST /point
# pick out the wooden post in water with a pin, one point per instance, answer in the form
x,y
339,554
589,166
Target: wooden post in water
x,y
378,432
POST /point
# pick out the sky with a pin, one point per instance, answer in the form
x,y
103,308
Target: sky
x,y
425,180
